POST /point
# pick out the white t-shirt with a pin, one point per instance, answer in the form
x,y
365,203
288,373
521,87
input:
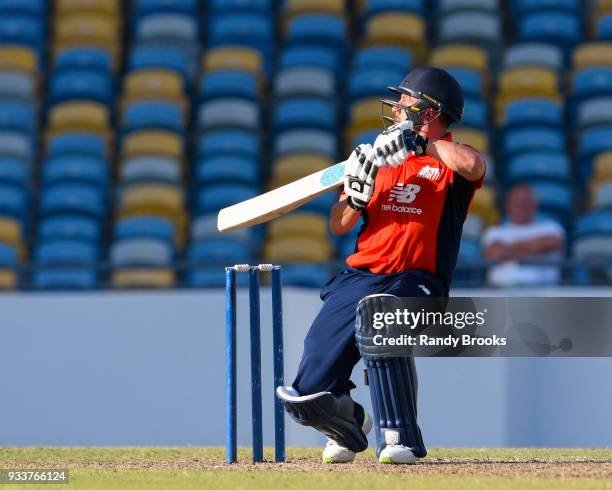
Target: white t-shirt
x,y
512,273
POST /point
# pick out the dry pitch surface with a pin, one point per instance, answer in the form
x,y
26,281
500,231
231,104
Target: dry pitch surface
x,y
191,468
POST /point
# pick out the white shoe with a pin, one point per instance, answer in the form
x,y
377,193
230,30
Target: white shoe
x,y
335,453
394,453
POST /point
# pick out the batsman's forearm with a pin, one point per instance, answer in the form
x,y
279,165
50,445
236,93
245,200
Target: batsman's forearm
x,y
459,158
343,217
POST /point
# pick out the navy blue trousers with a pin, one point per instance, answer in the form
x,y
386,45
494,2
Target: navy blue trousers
x,y
330,352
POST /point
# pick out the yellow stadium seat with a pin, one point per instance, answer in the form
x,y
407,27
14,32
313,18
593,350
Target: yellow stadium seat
x,y
166,195
79,115
90,29
296,7
483,205
66,7
297,165
601,7
153,142
157,278
10,231
461,56
528,82
298,249
153,83
364,112
233,58
398,29
592,54
602,167
298,224
18,58
8,279
472,137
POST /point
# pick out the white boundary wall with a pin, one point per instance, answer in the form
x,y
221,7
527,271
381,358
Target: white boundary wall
x,y
147,368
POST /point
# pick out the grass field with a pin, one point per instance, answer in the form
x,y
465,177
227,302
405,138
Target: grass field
x,y
203,468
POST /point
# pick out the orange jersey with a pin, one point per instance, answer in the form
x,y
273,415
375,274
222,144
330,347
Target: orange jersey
x,y
414,219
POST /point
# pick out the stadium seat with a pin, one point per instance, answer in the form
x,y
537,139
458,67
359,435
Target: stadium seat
x,y
539,165
152,142
157,278
152,167
220,6
372,82
69,227
532,138
297,249
17,116
594,140
240,58
78,84
322,29
77,142
588,55
212,198
304,81
64,278
532,110
84,58
229,83
560,28
398,29
17,86
595,111
220,250
229,141
534,54
204,227
592,82
153,83
11,231
166,57
65,252
469,27
153,114
226,168
8,279
76,168
19,29
473,137
304,112
14,171
18,58
461,56
483,205
141,195
13,201
298,224
446,7
602,167
305,140
305,275
109,7
603,28
167,27
153,227
230,111
79,116
16,145
386,57
293,167
471,81
601,195
73,198
140,251
312,56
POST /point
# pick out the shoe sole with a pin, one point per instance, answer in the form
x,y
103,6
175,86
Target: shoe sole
x,y
389,460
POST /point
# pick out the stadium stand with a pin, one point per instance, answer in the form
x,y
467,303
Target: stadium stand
x,y
126,126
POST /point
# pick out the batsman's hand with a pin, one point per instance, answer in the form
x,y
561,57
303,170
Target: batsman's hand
x,y
393,145
359,175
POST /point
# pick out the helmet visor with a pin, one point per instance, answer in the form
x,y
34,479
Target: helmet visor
x,y
421,111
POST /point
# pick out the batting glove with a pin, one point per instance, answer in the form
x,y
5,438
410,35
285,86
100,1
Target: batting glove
x,y
359,175
393,145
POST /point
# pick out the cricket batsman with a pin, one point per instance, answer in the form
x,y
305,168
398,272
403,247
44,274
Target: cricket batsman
x,y
412,189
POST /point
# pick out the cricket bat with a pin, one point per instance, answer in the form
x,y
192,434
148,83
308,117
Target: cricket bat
x,y
280,201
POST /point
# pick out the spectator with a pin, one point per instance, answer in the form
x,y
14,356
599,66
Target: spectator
x,y
522,239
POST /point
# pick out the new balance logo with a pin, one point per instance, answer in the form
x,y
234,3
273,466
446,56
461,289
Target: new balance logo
x,y
404,194
429,173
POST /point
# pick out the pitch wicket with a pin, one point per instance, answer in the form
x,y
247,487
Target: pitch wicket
x,y
231,364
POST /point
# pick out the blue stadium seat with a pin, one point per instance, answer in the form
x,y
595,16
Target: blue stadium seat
x,y
166,26
229,140
365,137
475,114
14,171
16,86
306,140
65,279
142,7
228,83
470,81
603,29
379,6
223,6
312,80
13,201
592,82
219,250
31,7
80,84
209,277
389,57
320,56
8,255
144,227
321,204
73,198
559,28
15,144
80,143
481,28
69,227
305,112
234,112
84,58
532,138
594,140
81,168
534,54
248,29
534,111
204,227
153,114
322,29
539,165
553,196
150,167
215,197
66,252
17,116
168,57
594,112
142,251
227,168
594,223
22,29
449,6
305,275
372,82
469,251
523,7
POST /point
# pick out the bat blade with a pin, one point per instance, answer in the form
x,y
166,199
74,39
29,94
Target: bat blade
x,y
280,201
